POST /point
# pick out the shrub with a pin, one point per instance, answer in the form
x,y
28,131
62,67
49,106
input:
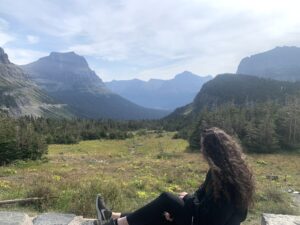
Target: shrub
x,y
83,200
19,141
42,190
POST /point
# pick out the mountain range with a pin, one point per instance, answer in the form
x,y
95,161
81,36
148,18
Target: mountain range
x,y
160,94
63,85
280,63
68,79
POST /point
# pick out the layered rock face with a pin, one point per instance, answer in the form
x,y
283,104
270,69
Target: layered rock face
x,y
3,57
65,72
20,96
281,63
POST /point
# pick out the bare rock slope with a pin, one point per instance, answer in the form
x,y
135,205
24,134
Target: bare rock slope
x,y
19,96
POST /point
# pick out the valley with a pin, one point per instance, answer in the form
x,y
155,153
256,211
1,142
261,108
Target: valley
x,y
133,171
132,99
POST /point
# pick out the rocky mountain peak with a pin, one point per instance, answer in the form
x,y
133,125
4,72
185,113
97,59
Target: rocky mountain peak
x,y
280,63
3,57
189,75
184,74
66,58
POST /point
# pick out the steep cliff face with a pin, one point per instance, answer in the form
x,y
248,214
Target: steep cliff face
x,y
68,79
65,72
281,63
19,96
3,57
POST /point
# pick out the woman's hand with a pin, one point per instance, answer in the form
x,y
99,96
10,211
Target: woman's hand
x,y
182,194
168,216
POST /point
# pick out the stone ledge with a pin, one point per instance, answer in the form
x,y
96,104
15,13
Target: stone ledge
x,y
18,218
279,219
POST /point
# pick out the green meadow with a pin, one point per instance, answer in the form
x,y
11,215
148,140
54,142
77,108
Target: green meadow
x,y
131,172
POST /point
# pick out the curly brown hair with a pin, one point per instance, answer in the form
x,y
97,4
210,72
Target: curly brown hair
x,y
231,176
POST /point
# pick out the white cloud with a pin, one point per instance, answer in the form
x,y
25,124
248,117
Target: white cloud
x,y
3,23
5,37
32,39
22,56
160,37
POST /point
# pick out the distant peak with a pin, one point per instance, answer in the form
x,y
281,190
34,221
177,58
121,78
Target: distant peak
x,y
63,53
55,54
66,57
3,57
185,74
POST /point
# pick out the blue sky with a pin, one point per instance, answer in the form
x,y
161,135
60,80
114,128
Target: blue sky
x,y
124,39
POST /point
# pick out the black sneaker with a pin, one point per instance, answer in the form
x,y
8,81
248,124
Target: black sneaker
x,y
103,214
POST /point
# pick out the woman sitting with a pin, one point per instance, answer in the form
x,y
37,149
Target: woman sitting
x,y
223,198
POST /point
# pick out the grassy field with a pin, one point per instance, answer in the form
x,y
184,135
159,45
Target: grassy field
x,y
131,172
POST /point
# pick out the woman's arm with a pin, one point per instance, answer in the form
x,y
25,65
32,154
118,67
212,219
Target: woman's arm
x,y
182,195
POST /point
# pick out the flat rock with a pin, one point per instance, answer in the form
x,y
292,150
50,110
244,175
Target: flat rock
x,y
54,219
14,218
279,219
81,221
89,222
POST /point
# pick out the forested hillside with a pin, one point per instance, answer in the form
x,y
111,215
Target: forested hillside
x,y
263,113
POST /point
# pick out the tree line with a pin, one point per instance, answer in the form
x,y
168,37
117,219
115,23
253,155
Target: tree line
x,y
28,137
261,127
19,140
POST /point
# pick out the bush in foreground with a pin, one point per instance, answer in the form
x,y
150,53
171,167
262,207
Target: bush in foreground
x,y
19,141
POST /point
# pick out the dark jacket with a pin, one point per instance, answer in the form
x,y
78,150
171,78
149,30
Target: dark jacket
x,y
208,211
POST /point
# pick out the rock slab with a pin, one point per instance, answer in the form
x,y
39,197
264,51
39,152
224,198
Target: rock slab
x,y
53,218
279,219
19,218
89,222
14,218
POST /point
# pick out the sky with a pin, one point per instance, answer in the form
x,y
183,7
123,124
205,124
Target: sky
x,y
125,39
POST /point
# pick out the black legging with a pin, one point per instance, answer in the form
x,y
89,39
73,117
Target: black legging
x,y
153,212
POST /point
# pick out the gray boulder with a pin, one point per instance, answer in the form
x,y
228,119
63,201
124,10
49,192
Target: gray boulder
x,y
14,218
279,219
53,218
